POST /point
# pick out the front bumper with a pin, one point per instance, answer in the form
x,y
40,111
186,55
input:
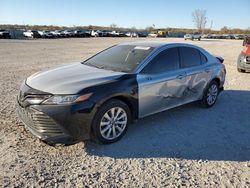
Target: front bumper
x,y
42,126
58,123
55,123
243,62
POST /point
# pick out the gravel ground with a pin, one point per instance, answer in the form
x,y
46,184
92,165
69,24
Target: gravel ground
x,y
183,147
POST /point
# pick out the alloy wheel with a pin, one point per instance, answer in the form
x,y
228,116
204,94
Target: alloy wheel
x,y
212,94
113,123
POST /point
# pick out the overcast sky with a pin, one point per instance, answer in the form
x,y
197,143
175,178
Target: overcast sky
x,y
161,13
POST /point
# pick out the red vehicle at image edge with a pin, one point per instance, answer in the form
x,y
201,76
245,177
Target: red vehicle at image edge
x,y
243,63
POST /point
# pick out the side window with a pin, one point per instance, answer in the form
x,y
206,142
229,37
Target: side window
x,y
165,61
190,57
203,58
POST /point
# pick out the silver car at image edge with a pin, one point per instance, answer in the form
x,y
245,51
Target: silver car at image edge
x,y
99,97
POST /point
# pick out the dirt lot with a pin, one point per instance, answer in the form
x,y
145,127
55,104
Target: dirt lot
x,y
186,146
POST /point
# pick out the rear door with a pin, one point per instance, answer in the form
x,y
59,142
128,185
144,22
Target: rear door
x,y
161,83
193,62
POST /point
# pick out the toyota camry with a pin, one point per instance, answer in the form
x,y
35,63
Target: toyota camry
x,y
98,98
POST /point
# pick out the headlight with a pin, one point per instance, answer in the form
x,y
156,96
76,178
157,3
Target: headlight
x,y
34,101
66,99
246,59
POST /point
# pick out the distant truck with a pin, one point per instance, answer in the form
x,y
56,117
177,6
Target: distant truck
x,y
192,36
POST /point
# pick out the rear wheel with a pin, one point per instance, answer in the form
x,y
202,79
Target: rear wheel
x,y
210,95
111,122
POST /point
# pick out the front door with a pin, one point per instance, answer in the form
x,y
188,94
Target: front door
x,y
161,83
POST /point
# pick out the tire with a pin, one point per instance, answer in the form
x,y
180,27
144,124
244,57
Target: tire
x,y
210,95
111,122
240,70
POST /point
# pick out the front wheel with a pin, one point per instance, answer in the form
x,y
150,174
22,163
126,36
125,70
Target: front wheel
x,y
210,95
111,122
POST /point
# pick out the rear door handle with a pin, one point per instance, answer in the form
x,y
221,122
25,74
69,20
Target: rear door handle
x,y
149,78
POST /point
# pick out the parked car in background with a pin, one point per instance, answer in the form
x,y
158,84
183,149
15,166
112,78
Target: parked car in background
x,y
193,36
121,34
114,34
68,33
87,33
134,34
56,33
128,34
209,37
82,33
41,33
36,34
131,34
79,33
101,96
28,34
48,34
4,34
230,37
243,63
152,35
239,37
104,33
142,34
94,33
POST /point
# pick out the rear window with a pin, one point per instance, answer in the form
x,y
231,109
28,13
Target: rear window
x,y
190,57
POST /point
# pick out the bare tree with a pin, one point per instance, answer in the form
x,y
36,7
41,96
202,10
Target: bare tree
x,y
113,26
150,28
199,19
133,29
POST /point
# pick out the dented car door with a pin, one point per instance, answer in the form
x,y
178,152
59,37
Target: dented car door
x,y
162,84
160,92
193,62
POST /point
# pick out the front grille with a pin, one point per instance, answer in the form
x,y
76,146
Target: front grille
x,y
39,123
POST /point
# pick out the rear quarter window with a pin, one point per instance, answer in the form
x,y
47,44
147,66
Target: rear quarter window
x,y
203,58
190,57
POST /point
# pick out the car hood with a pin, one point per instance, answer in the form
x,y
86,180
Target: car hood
x,y
70,79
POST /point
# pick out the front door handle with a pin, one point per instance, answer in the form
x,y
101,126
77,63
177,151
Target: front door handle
x,y
207,70
181,76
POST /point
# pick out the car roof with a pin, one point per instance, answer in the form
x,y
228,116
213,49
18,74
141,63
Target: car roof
x,y
157,44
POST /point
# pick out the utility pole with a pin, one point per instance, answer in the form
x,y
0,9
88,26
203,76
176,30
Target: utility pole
x,y
211,24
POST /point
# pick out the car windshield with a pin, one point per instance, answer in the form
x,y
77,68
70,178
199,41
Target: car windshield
x,y
122,58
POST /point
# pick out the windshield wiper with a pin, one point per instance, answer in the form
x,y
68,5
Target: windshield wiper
x,y
99,67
